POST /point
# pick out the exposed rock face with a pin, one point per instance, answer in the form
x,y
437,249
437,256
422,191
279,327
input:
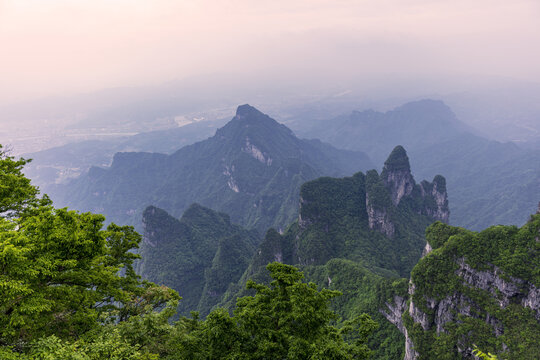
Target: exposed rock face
x,y
256,153
436,190
231,183
483,292
532,300
503,290
449,308
394,311
410,353
397,175
303,221
379,219
492,282
427,249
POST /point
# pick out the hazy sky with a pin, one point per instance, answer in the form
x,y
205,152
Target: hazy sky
x,y
61,46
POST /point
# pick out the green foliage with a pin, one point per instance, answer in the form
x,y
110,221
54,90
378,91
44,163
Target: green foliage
x,y
438,234
335,225
59,272
288,319
199,255
70,291
334,246
363,291
329,199
379,196
397,161
480,354
16,192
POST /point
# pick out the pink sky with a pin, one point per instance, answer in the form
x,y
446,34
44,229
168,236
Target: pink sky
x,y
60,46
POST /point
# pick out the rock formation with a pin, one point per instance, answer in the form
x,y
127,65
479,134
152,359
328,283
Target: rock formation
x,y
397,176
395,184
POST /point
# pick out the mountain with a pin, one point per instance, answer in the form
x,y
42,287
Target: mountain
x,y
413,125
473,289
198,255
62,163
360,235
252,168
490,182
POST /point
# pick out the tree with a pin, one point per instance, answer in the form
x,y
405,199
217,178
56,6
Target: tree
x,y
61,273
286,320
482,355
16,191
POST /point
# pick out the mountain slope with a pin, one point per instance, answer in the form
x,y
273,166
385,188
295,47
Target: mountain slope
x,y
197,255
377,220
413,125
252,168
489,182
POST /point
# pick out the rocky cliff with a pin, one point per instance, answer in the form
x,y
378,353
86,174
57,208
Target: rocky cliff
x,y
395,184
473,289
360,235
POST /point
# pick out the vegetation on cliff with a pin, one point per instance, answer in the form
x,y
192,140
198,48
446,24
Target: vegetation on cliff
x,y
333,243
477,289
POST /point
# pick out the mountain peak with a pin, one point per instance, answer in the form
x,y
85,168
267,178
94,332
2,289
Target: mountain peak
x,y
397,160
254,127
396,174
247,110
425,105
197,213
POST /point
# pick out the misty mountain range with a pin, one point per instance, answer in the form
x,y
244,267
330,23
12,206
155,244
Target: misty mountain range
x,y
489,182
